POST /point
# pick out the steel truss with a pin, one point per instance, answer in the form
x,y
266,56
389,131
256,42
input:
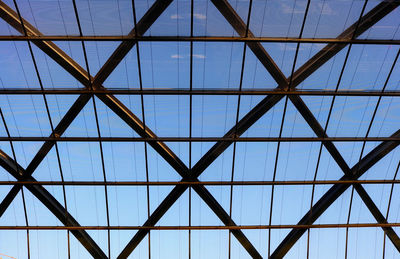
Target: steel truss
x,y
286,87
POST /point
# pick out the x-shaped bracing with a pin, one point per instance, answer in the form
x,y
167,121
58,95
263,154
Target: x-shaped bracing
x,y
258,111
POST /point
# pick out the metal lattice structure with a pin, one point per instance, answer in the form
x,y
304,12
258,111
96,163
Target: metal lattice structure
x,y
288,91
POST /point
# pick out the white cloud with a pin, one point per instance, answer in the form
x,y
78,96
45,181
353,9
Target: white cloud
x,y
199,16
176,16
176,56
200,56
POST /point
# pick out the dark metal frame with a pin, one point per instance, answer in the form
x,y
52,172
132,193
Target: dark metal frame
x,y
286,87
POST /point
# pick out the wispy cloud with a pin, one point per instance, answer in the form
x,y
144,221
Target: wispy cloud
x,y
176,56
200,56
176,17
199,16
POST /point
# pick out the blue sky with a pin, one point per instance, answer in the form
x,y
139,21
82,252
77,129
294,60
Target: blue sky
x,y
215,65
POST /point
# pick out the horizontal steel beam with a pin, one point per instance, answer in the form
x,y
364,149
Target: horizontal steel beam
x,y
205,183
239,227
200,39
202,139
209,91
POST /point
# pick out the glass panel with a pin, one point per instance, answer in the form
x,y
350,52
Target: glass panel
x,y
217,64
277,18
105,17
50,17
328,19
44,243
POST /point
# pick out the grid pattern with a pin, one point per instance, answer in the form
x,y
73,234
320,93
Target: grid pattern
x,y
290,96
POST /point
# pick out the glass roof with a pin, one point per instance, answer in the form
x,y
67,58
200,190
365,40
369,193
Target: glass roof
x,y
199,129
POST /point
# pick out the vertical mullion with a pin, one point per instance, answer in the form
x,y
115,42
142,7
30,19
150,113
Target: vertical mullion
x,y
144,124
236,122
190,124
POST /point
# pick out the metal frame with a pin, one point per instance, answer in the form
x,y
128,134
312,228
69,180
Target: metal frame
x,y
190,175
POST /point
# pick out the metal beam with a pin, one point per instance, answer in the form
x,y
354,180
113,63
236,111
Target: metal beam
x,y
138,38
52,204
334,192
210,91
200,139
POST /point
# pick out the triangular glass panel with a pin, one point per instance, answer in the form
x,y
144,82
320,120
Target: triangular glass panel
x,y
386,28
49,170
77,250
295,124
299,249
178,213
25,151
328,169
120,238
159,169
84,125
202,215
326,76
208,21
111,125
255,75
220,169
283,55
54,75
14,214
98,52
157,194
217,65
199,149
5,28
337,212
269,124
385,168
38,214
257,237
174,21
126,74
